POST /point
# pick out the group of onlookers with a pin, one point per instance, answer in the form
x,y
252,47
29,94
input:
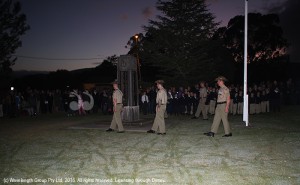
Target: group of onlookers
x,y
34,102
262,97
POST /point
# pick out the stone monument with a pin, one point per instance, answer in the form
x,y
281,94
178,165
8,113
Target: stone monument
x,y
128,83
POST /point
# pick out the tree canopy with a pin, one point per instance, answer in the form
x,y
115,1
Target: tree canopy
x,y
179,41
265,38
12,27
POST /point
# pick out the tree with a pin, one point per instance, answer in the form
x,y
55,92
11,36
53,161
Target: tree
x,y
112,59
265,38
179,43
267,47
12,27
134,44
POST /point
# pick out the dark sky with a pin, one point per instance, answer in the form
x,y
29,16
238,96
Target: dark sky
x,y
87,29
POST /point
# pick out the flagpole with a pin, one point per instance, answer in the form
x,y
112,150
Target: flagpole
x,y
245,108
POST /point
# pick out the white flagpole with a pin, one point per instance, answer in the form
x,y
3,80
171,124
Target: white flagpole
x,y
245,109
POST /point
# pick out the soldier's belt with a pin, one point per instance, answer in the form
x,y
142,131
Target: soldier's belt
x,y
222,102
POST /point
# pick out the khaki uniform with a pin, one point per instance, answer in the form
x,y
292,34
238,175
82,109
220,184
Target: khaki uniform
x,y
159,121
220,114
117,121
201,106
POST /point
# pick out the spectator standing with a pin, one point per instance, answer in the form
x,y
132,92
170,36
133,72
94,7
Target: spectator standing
x,y
145,102
240,102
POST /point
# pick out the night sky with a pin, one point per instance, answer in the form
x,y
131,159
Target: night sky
x,y
89,29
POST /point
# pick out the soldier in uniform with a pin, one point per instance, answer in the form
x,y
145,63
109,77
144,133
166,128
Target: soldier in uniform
x,y
117,108
221,113
161,101
202,99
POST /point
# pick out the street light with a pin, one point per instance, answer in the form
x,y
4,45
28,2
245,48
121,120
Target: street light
x,y
136,36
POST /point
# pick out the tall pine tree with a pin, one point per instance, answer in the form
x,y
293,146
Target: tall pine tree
x,y
179,42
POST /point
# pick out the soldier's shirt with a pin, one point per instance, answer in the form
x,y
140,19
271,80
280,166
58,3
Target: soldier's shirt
x,y
118,95
223,94
161,97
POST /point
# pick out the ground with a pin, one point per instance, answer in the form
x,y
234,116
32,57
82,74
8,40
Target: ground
x,y
55,149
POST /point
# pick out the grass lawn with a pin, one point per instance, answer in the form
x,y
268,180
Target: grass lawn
x,y
44,150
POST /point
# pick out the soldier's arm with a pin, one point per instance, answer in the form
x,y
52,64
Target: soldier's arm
x,y
115,101
159,103
227,103
159,98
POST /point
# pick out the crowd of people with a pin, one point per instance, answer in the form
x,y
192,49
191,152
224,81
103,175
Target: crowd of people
x,y
263,97
34,102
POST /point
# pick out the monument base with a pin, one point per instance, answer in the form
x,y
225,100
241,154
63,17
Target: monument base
x,y
131,113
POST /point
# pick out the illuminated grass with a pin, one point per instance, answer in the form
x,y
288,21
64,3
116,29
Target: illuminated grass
x,y
268,153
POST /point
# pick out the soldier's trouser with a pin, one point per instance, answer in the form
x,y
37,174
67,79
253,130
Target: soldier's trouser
x,y
220,115
159,121
240,108
234,108
201,108
117,121
212,106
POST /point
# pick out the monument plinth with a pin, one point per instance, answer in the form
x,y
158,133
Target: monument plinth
x,y
128,84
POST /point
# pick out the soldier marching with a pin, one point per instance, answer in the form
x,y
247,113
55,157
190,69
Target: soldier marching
x,y
161,101
117,99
